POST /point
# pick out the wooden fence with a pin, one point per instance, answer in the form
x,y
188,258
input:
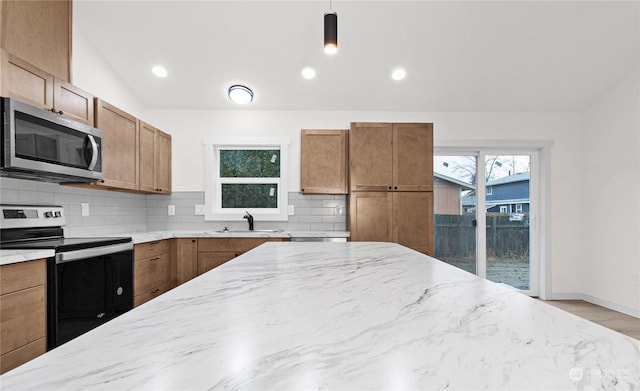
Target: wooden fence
x,y
455,237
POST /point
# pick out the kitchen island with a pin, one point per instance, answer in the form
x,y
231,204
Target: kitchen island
x,y
291,316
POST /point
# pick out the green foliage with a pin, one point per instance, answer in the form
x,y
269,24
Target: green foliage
x,y
251,163
254,195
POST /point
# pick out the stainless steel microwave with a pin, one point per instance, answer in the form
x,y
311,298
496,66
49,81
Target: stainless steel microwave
x,y
41,145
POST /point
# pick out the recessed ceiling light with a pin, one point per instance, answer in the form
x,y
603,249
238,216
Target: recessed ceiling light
x,y
240,94
159,71
308,73
398,74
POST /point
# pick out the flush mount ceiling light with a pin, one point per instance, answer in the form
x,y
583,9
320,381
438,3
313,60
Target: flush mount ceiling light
x,y
240,94
308,73
330,31
398,74
159,71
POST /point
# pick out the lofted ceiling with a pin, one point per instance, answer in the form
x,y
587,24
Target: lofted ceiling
x,y
506,56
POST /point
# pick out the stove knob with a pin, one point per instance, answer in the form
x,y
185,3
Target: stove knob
x,y
48,214
58,214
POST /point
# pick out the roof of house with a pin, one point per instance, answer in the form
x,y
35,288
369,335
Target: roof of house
x,y
523,176
454,180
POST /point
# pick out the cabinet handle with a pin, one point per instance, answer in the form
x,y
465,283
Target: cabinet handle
x,y
193,240
60,112
154,259
396,187
155,291
389,187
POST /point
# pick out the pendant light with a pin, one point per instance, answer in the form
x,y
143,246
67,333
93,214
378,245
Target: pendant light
x,y
330,31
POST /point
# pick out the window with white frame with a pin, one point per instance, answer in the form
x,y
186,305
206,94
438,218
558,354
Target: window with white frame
x,y
246,175
503,209
518,208
489,190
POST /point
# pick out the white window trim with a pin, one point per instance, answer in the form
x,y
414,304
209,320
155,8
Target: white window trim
x,y
519,208
503,209
213,198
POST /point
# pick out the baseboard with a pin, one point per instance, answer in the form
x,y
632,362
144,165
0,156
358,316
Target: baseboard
x,y
635,312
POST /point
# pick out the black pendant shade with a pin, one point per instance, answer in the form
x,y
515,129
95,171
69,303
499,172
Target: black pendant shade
x,y
330,32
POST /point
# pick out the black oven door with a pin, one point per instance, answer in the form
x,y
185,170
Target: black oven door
x,y
86,289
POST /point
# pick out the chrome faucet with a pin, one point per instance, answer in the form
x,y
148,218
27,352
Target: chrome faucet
x,y
249,219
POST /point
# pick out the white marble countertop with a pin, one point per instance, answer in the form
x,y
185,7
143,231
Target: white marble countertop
x,y
15,256
338,316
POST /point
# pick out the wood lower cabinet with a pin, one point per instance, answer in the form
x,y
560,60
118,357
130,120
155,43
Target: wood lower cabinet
x,y
213,252
155,160
23,313
39,32
400,217
323,161
413,224
152,270
370,216
185,255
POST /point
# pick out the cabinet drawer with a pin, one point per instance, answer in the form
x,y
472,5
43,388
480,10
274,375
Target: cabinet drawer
x,y
22,275
22,318
151,272
211,260
22,355
151,249
230,244
151,294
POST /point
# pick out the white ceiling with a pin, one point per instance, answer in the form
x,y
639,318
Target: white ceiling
x,y
459,56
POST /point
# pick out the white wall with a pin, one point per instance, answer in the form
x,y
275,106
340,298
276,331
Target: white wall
x,y
610,195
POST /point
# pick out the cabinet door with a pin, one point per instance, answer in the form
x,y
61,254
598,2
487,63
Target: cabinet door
x,y
162,162
370,216
73,102
147,157
39,32
186,258
413,220
25,82
323,161
370,156
22,317
413,157
120,140
211,260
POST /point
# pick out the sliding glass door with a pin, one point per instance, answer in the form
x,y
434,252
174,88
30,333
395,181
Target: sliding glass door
x,y
484,206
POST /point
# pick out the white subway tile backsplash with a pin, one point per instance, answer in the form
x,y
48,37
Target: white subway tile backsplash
x,y
116,212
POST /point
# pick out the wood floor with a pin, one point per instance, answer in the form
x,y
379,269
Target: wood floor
x,y
614,320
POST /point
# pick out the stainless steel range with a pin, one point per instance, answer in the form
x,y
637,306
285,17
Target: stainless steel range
x,y
89,280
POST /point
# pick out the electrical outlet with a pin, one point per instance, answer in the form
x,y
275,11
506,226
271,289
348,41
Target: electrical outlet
x,y
85,208
199,210
291,210
171,210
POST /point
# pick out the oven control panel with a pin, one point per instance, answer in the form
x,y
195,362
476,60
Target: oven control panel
x,y
22,216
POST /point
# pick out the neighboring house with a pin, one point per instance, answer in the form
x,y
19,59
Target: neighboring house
x,y
509,194
447,194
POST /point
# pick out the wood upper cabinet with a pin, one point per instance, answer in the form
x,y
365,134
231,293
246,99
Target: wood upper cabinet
x,y
155,160
39,32
185,254
323,161
25,82
120,145
23,313
386,156
72,102
30,84
370,157
413,157
413,224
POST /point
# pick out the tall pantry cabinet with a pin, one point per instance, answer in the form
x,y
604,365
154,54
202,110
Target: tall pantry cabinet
x,y
391,183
